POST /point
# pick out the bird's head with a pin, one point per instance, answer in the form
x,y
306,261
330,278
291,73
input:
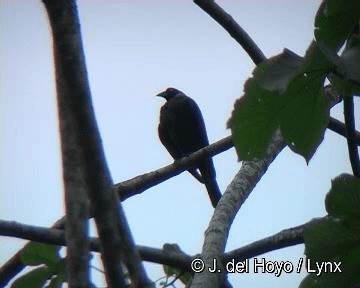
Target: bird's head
x,y
169,93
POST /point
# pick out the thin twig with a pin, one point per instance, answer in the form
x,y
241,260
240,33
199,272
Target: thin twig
x,y
285,238
339,128
351,134
145,181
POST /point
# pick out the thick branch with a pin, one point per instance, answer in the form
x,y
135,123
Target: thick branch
x,y
235,195
285,238
76,114
74,101
73,165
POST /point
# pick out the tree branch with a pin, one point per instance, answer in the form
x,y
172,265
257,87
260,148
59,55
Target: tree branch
x,y
74,101
285,238
64,19
140,183
233,28
235,195
181,260
350,133
73,165
339,128
145,181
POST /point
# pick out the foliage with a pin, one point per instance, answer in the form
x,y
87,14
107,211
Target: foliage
x,y
287,91
336,239
51,272
184,277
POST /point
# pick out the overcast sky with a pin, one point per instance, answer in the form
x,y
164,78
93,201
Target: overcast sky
x,y
135,49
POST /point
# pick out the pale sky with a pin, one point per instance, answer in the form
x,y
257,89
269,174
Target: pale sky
x,y
135,49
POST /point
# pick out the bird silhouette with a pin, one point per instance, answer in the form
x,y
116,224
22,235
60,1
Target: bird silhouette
x,y
182,131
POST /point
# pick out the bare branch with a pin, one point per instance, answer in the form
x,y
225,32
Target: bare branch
x,y
339,128
233,28
74,101
63,19
350,132
177,259
285,238
145,181
235,195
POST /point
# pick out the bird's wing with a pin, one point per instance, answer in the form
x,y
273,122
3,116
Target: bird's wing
x,y
169,144
174,151
188,127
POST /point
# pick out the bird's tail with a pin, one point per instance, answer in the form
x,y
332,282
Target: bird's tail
x,y
208,173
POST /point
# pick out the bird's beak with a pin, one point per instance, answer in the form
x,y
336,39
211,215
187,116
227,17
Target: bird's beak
x,y
162,94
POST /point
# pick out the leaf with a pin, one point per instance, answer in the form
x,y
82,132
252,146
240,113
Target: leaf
x,y
301,112
255,117
306,116
281,69
348,277
337,237
344,197
34,279
350,59
171,271
57,281
335,21
287,92
39,253
331,238
315,61
347,78
346,88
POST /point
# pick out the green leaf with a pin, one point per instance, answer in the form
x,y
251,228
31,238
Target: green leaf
x,y
306,116
335,21
57,281
350,59
337,237
34,279
171,271
39,253
255,117
344,235
348,277
301,112
347,78
343,198
282,69
346,88
315,62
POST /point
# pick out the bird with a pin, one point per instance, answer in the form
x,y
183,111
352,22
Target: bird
x,y
182,131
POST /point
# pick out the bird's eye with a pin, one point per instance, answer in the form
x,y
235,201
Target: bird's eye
x,y
169,90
